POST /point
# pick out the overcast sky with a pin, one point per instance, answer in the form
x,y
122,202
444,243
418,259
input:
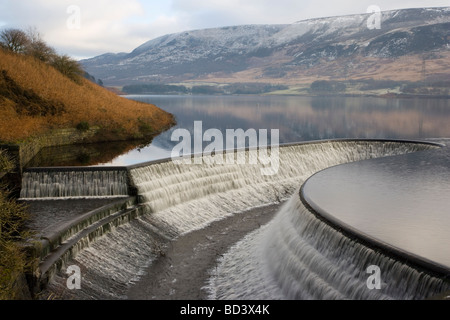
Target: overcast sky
x,y
87,28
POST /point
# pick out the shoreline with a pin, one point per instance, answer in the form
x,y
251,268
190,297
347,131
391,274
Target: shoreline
x,y
332,95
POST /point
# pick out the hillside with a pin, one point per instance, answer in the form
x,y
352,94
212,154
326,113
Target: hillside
x,y
35,98
412,45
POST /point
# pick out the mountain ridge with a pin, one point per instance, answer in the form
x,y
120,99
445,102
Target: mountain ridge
x,y
285,53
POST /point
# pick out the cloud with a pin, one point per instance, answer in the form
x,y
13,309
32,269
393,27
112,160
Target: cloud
x,y
103,24
231,12
122,25
212,13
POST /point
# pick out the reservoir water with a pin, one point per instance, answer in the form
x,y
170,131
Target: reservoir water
x,y
297,119
297,255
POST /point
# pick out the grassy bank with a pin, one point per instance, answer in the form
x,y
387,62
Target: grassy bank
x,y
35,98
40,105
13,259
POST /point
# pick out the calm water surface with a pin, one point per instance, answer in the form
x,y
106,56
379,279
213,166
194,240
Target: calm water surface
x,y
403,201
297,119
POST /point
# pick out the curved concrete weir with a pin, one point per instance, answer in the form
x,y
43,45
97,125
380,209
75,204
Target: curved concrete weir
x,y
343,222
178,199
399,204
185,197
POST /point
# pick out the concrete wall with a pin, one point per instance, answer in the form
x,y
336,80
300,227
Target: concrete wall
x,y
50,252
25,151
56,138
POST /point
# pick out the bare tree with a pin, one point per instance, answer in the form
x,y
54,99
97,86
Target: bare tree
x,y
41,51
33,34
30,42
37,46
68,67
14,40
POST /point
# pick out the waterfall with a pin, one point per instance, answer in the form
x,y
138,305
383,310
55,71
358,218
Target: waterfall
x,y
296,256
310,260
73,183
186,197
110,263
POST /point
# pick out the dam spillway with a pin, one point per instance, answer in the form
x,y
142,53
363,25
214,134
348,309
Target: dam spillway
x,y
179,199
79,182
187,197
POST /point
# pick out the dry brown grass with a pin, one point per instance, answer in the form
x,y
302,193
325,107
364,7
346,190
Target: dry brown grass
x,y
85,102
13,216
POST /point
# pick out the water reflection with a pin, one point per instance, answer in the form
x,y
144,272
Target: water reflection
x,y
82,154
297,118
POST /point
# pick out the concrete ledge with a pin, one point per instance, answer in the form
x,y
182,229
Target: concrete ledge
x,y
26,150
388,250
76,169
58,258
283,145
55,249
395,251
68,229
51,251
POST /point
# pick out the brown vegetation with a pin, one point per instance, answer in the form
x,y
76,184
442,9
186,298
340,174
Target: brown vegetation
x,y
35,97
13,260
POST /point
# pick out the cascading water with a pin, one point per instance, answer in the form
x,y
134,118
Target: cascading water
x,y
109,263
304,258
57,184
181,198
184,198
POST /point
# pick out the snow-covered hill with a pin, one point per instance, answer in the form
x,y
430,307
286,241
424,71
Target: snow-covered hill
x,y
275,50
